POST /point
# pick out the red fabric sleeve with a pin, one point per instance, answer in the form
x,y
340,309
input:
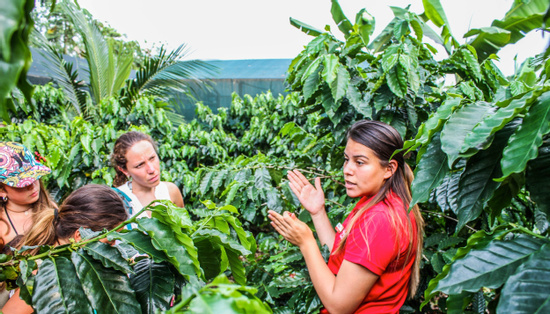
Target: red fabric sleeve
x,y
371,242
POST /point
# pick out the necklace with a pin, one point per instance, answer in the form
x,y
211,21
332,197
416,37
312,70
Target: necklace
x,y
26,211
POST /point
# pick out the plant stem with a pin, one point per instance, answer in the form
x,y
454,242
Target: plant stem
x,y
99,237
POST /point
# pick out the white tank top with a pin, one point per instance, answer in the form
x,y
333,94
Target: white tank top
x,y
161,193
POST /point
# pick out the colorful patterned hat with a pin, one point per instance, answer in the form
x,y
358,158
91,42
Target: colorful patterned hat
x,y
18,168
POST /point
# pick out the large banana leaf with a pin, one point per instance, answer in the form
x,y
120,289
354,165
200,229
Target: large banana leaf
x,y
344,25
15,55
308,29
489,266
107,289
527,290
58,288
523,17
154,285
524,144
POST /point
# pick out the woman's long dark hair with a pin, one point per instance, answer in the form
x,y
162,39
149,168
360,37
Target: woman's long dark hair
x,y
384,140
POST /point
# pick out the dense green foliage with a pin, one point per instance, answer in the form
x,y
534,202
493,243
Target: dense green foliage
x,y
479,148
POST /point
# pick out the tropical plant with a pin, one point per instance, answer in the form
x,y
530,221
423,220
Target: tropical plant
x,y
15,55
161,76
167,256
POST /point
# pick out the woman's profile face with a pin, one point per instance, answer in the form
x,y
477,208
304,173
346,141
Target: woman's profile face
x,y
143,164
363,173
21,196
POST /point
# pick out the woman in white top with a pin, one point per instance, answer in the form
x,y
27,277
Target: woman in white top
x,y
137,166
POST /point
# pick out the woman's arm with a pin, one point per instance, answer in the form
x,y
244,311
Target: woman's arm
x,y
340,294
16,305
313,200
175,194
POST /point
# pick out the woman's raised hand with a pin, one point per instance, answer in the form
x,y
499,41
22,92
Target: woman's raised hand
x,y
291,228
311,197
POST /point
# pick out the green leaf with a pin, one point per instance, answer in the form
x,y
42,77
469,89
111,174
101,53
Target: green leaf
x,y
527,290
477,183
205,182
237,268
211,258
390,58
397,80
58,289
523,145
340,85
331,66
365,24
489,266
15,55
523,17
154,285
494,122
312,82
262,178
430,172
105,288
459,125
344,25
274,201
537,175
472,64
232,248
308,29
435,12
109,256
163,238
433,125
141,242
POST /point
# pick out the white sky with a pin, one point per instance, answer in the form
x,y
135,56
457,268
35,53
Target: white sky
x,y
260,29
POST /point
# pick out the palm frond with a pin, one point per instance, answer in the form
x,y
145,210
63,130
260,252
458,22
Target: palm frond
x,y
107,75
63,73
166,74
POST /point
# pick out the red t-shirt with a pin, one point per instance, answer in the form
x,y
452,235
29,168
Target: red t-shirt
x,y
372,244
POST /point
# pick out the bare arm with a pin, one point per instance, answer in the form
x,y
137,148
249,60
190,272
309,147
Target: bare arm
x,y
340,294
175,194
313,200
16,305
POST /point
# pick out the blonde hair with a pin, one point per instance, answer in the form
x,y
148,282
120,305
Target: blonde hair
x,y
384,140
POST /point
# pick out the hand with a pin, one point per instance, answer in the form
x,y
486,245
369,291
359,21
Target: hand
x,y
311,197
291,228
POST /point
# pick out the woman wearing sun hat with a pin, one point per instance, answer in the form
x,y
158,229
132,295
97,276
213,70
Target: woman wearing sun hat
x,y
22,194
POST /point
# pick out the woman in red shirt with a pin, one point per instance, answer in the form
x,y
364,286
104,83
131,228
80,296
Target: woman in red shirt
x,y
375,253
